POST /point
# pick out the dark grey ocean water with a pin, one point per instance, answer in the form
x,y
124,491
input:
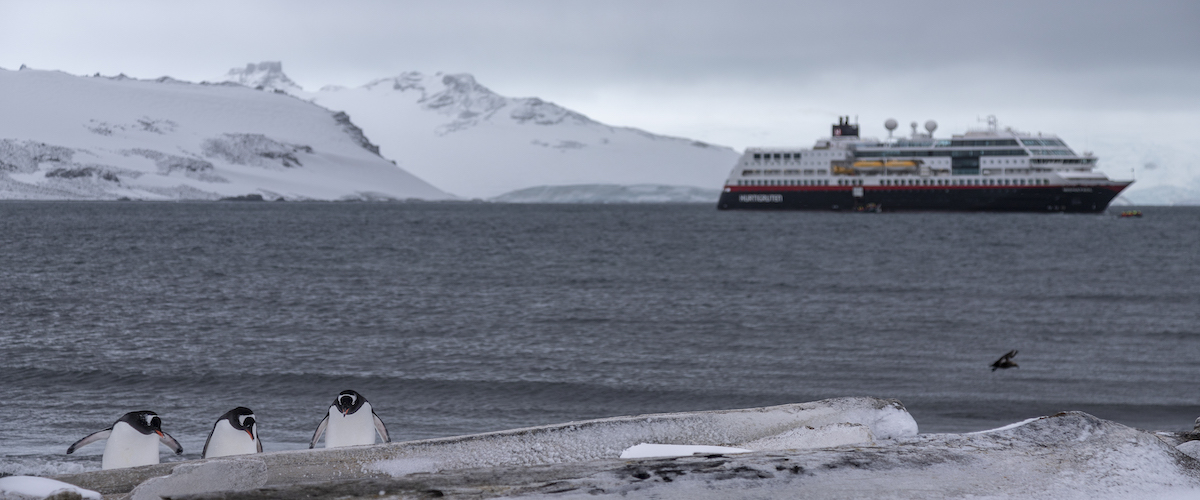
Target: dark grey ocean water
x,y
466,318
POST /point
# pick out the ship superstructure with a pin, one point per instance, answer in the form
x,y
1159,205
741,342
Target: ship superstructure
x,y
984,169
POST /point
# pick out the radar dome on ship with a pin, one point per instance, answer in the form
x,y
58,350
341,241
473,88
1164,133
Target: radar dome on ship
x,y
930,126
890,124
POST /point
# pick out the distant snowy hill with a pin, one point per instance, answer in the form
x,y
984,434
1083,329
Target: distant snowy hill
x,y
72,137
611,193
462,137
1163,195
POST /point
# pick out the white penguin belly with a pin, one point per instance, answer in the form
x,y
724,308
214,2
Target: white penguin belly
x,y
350,430
126,447
227,441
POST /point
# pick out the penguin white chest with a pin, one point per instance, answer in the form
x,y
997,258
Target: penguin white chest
x,y
226,440
350,430
126,447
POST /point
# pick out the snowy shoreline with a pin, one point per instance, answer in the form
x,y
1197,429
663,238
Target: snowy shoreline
x,y
837,448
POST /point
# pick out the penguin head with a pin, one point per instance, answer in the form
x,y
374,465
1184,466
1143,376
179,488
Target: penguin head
x,y
242,419
145,422
348,402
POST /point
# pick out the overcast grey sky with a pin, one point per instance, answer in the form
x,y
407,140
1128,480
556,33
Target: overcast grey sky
x,y
737,73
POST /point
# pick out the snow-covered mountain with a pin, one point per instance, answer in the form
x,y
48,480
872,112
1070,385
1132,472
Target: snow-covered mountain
x,y
462,137
72,137
611,193
262,76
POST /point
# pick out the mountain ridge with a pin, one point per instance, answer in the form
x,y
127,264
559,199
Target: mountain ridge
x,y
460,135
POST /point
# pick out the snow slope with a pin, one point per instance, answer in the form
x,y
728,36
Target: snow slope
x,y
460,135
610,193
71,137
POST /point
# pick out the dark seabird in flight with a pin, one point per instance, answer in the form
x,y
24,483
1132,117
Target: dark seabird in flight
x,y
1005,361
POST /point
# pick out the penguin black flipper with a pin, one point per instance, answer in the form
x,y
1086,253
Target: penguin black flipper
x,y
91,438
320,430
204,452
380,427
171,443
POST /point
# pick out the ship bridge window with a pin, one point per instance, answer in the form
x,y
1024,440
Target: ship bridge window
x,y
987,142
1042,142
751,172
757,156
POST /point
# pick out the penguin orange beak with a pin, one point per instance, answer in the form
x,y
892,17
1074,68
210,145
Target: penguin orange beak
x,y
345,412
250,433
160,433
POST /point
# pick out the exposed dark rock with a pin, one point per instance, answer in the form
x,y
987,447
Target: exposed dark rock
x,y
245,197
24,156
254,149
77,172
354,132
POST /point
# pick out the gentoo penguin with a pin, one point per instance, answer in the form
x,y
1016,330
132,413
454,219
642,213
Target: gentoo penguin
x,y
235,433
350,421
132,441
1006,361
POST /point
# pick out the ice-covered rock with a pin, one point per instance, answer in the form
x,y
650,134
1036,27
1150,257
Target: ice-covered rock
x,y
825,436
569,442
1070,455
70,137
460,135
30,488
649,450
1191,449
1067,456
238,474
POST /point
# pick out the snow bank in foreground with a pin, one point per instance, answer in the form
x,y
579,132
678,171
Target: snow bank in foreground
x,y
647,450
16,487
607,438
572,442
1070,455
1066,456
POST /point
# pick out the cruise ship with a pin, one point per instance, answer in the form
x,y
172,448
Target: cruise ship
x,y
988,169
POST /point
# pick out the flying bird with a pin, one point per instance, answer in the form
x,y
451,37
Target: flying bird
x,y
1006,361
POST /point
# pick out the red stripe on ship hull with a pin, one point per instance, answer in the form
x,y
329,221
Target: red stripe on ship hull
x,y
759,189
